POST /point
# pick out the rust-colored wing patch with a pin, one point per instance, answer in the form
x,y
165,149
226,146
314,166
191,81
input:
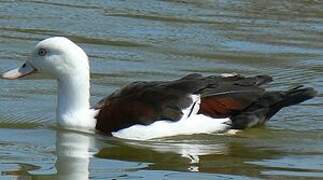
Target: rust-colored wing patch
x,y
220,107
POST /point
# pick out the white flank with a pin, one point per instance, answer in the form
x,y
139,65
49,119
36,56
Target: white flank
x,y
188,125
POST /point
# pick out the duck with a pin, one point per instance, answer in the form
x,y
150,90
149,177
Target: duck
x,y
143,110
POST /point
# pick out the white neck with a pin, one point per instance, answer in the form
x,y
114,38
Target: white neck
x,y
73,106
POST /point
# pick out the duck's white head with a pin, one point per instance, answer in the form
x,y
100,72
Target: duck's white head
x,y
68,63
57,56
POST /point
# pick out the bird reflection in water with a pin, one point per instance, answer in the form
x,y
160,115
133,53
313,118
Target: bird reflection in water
x,y
75,151
73,155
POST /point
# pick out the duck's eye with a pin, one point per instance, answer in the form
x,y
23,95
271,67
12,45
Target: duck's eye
x,y
42,52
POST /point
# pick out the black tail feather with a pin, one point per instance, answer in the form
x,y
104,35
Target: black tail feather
x,y
297,95
268,105
291,97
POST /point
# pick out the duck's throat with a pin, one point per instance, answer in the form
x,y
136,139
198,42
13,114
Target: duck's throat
x,y
73,106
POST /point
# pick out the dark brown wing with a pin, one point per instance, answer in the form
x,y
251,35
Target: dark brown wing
x,y
147,102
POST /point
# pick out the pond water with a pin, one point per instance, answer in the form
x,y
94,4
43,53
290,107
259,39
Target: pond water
x,y
131,40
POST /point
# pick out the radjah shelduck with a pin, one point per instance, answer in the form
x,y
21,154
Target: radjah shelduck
x,y
141,110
